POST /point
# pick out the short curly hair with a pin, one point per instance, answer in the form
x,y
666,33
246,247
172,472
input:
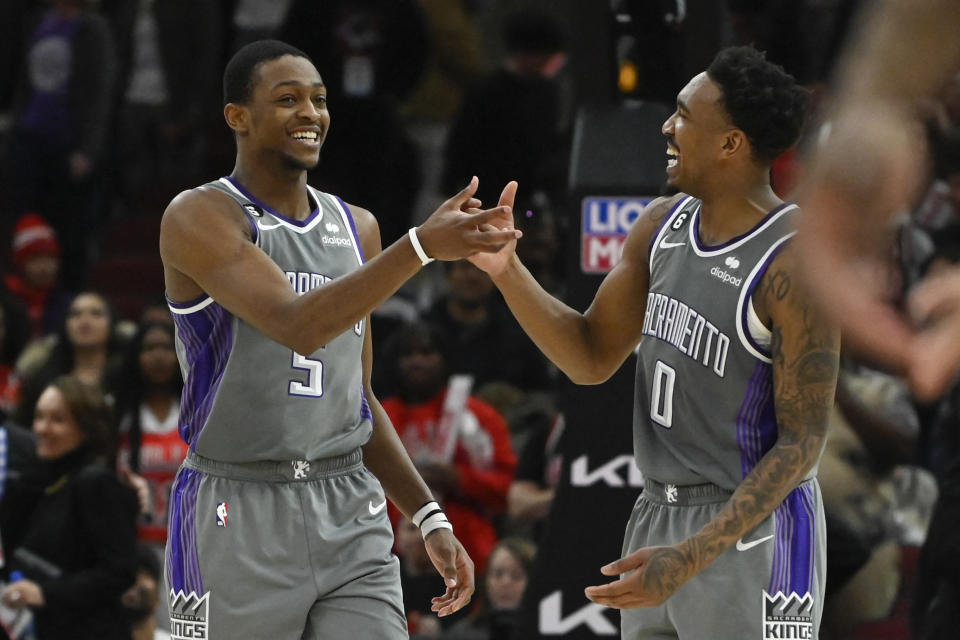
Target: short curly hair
x,y
762,99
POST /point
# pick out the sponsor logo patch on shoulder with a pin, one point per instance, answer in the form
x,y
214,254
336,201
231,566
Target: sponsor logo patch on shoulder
x,y
189,615
787,616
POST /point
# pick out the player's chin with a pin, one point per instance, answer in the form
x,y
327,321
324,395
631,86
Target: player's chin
x,y
303,162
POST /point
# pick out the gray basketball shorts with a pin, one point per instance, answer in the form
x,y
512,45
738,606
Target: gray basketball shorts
x,y
768,586
281,551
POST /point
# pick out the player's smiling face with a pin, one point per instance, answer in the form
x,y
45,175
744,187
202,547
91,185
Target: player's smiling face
x,y
288,111
695,134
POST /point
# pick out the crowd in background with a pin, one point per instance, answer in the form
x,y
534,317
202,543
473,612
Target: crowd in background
x,y
110,108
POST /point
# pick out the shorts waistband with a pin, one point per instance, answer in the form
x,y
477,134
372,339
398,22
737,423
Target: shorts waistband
x,y
683,495
278,470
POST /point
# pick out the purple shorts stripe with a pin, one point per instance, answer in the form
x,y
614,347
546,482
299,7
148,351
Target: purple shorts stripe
x,y
183,563
794,552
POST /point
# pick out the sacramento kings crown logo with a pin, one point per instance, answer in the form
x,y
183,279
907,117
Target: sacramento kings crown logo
x,y
787,616
189,615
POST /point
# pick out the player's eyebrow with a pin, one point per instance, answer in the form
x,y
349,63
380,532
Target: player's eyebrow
x,y
296,83
682,106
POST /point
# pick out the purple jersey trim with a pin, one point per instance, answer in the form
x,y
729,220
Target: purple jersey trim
x,y
353,228
706,247
756,420
795,546
188,303
183,562
207,337
365,413
751,287
252,198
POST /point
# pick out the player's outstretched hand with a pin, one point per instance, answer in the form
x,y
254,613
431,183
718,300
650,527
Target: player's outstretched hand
x,y
456,567
457,229
653,574
495,262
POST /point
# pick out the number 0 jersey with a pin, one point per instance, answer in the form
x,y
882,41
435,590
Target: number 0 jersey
x,y
247,397
704,409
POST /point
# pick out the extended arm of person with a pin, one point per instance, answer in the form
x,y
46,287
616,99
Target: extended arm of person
x,y
805,353
206,249
386,457
589,347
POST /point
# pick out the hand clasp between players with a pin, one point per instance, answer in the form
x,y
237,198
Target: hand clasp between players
x,y
459,229
653,574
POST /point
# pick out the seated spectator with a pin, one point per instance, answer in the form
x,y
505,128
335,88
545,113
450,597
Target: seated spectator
x,y
149,407
419,581
87,346
538,472
13,338
35,279
493,617
78,554
20,486
459,443
484,339
140,602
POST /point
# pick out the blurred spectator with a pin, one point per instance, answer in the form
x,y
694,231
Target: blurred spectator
x,y
167,51
370,54
140,601
418,579
20,486
14,336
61,116
78,553
494,616
35,280
149,409
940,206
86,346
459,443
866,486
257,20
484,339
509,126
538,473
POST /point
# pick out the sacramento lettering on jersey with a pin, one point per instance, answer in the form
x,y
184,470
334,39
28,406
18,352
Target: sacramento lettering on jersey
x,y
680,325
303,281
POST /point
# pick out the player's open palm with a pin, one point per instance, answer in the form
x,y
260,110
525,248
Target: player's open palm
x,y
653,574
459,229
494,263
456,567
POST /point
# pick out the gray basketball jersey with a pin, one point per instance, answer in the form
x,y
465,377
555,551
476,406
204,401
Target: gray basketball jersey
x,y
247,397
704,409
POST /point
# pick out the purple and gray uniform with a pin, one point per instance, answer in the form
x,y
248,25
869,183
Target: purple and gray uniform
x,y
704,416
276,528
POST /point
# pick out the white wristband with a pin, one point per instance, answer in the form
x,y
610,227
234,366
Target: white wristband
x,y
418,248
424,511
433,526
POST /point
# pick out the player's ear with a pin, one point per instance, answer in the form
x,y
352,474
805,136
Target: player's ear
x,y
236,116
733,141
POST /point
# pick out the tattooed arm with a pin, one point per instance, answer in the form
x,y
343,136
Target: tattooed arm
x,y
805,352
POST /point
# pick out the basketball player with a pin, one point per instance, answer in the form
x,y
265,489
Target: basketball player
x,y
278,527
866,169
735,375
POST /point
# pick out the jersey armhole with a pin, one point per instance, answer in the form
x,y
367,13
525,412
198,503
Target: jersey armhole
x,y
754,335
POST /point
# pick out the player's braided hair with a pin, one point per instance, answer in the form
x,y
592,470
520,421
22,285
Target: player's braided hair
x,y
762,100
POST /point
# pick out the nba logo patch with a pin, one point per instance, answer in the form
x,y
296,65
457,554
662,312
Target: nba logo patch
x,y
221,514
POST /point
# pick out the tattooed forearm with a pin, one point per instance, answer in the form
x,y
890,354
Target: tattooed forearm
x,y
804,351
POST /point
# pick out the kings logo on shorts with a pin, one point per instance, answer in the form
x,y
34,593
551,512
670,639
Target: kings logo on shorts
x,y
787,616
189,616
